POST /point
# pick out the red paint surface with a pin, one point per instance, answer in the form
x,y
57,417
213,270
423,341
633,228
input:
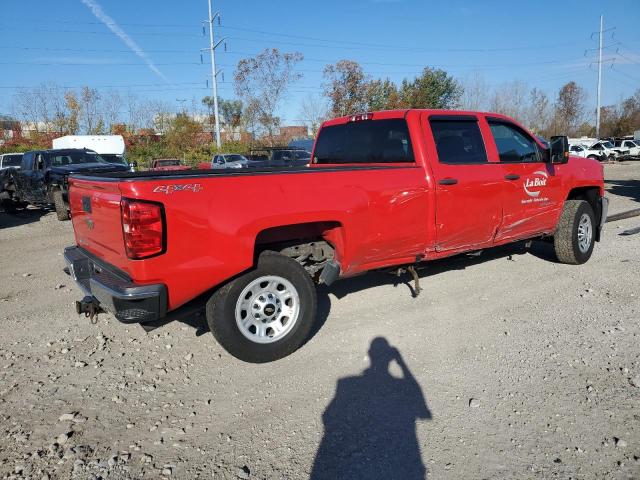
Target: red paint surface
x,y
372,217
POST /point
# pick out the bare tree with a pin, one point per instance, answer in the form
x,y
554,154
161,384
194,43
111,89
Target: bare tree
x,y
475,93
345,87
539,112
263,82
111,108
569,109
510,99
42,107
91,112
314,111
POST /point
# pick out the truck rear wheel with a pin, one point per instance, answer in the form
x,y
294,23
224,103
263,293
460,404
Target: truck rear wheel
x,y
575,235
61,208
265,314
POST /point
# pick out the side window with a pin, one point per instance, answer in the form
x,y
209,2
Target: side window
x,y
514,145
27,161
458,141
39,163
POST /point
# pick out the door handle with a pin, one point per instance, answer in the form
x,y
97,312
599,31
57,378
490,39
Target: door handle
x,y
511,176
448,181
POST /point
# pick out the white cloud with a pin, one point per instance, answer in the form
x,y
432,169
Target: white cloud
x,y
96,9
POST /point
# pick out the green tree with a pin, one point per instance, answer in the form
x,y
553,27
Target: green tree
x,y
382,95
182,135
569,109
434,88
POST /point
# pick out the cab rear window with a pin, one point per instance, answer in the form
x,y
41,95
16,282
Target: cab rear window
x,y
365,141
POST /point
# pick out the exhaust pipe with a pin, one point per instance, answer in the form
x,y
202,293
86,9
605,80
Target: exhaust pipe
x,y
90,307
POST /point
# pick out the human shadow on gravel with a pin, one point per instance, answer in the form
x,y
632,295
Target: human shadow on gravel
x,y
370,425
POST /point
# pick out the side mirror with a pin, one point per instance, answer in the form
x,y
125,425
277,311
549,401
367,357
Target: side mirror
x,y
559,149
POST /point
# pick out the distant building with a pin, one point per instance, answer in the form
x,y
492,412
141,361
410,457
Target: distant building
x,y
9,128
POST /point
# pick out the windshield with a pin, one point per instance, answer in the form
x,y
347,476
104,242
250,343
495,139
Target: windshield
x,y
114,158
283,155
367,141
74,158
607,145
235,158
167,163
11,160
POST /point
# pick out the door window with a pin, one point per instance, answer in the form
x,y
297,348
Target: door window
x,y
27,161
458,141
513,144
39,163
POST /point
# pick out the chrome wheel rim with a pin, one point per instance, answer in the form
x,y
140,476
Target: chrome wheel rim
x,y
267,309
584,233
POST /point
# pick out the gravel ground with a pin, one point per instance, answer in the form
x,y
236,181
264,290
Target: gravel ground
x,y
508,365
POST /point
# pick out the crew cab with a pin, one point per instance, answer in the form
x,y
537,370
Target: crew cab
x,y
168,164
384,190
42,177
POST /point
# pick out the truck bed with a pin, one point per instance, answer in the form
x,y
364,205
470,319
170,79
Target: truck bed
x,y
232,172
215,218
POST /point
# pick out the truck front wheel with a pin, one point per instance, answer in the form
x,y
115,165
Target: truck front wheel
x,y
61,207
575,233
265,314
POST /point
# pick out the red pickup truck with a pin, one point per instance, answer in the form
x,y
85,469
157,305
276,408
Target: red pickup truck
x,y
383,190
168,164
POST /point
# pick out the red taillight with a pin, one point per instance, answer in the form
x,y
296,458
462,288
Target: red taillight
x,y
143,228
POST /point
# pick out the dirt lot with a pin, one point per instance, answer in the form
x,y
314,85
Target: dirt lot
x,y
508,365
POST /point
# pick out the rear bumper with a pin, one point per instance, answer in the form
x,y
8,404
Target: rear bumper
x,y
113,290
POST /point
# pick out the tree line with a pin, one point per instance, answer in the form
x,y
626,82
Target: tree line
x,y
263,83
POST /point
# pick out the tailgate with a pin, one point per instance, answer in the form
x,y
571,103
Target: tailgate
x,y
97,220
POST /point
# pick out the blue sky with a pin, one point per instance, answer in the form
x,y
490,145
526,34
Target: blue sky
x,y
155,51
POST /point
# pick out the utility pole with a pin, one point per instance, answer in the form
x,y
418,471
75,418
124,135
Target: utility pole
x,y
599,78
214,73
182,101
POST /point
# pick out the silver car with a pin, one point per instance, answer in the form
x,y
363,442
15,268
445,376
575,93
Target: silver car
x,y
229,160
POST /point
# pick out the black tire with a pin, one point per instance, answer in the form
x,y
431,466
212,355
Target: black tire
x,y
566,238
61,207
221,311
594,157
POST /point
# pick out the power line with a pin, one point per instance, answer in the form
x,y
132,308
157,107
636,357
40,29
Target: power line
x,y
93,32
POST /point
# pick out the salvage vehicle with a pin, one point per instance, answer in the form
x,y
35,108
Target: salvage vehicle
x,y
385,190
278,157
167,165
228,160
578,151
607,149
632,146
42,178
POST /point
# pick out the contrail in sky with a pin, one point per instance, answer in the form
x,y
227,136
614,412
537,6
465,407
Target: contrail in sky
x,y
122,35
